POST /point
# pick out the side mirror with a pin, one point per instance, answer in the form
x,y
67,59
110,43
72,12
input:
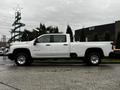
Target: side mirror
x,y
36,41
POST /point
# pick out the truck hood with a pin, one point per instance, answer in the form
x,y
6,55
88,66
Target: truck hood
x,y
20,43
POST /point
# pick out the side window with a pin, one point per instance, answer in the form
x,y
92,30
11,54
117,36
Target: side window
x,y
58,38
44,39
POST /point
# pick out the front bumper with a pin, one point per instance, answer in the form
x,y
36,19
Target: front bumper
x,y
10,56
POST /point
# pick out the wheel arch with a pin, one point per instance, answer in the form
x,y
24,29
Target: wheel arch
x,y
91,50
23,50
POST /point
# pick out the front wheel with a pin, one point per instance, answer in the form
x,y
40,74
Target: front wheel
x,y
22,59
93,59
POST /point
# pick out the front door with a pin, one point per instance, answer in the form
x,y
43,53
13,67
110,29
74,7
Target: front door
x,y
51,46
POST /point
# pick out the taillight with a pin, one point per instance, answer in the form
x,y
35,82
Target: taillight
x,y
113,45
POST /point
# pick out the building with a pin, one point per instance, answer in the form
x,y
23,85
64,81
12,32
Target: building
x,y
3,44
106,32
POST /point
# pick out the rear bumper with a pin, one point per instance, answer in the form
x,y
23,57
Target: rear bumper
x,y
111,54
115,54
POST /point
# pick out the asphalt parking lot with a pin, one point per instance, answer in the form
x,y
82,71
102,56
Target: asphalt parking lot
x,y
59,76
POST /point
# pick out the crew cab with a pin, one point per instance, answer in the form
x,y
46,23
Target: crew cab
x,y
58,46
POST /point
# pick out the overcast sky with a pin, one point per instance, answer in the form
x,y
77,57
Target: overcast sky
x,y
76,13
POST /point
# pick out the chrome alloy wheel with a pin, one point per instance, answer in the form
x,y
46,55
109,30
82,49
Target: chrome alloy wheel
x,y
94,59
21,59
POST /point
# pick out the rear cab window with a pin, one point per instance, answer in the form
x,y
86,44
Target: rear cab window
x,y
58,38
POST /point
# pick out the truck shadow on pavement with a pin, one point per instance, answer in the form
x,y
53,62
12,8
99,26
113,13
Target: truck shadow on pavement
x,y
61,68
68,65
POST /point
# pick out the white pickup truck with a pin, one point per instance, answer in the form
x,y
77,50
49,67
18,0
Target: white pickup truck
x,y
58,46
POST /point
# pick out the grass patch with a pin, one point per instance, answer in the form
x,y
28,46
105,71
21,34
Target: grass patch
x,y
111,60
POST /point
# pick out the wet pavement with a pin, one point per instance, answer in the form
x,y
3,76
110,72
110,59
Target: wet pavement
x,y
41,76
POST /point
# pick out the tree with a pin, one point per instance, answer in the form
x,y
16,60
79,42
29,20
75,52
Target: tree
x,y
56,30
69,31
24,36
41,29
35,33
27,35
16,32
51,29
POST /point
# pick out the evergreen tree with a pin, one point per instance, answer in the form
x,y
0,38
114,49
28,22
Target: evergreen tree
x,y
27,36
51,29
69,31
24,36
35,33
16,32
41,29
56,30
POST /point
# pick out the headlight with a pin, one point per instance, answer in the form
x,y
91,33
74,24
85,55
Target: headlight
x,y
7,49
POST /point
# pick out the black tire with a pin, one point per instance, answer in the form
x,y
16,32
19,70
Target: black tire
x,y
93,59
22,59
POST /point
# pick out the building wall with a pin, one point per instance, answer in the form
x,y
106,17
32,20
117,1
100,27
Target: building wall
x,y
77,35
3,44
117,26
105,32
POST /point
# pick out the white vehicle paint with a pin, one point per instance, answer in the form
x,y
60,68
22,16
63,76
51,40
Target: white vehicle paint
x,y
59,46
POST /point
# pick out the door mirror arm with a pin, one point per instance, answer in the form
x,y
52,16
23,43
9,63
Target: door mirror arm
x,y
36,41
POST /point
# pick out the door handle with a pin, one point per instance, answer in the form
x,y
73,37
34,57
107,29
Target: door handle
x,y
47,44
65,44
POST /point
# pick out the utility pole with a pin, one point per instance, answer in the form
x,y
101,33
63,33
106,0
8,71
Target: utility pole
x,y
4,38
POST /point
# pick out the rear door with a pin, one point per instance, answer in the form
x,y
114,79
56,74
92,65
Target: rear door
x,y
60,46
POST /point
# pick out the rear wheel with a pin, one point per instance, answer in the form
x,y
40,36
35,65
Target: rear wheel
x,y
93,59
22,59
